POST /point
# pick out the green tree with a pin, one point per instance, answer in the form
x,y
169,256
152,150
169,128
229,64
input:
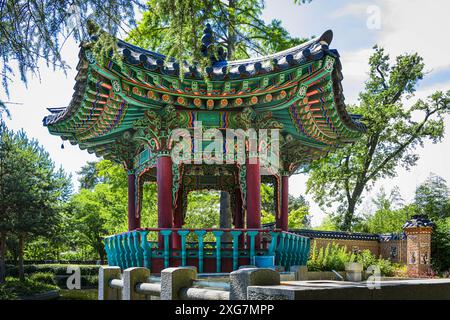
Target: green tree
x,y
393,134
35,31
202,210
7,182
327,224
267,200
298,208
389,220
89,175
299,215
101,209
440,246
87,211
432,198
175,27
298,218
31,191
389,215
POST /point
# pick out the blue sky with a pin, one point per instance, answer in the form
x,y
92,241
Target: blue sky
x,y
404,26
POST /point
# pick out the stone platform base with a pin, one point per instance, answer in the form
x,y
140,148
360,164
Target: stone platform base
x,y
339,290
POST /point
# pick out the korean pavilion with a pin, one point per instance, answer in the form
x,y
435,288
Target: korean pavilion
x,y
126,110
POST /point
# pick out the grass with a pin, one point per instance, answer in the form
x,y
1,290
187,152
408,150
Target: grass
x,y
84,294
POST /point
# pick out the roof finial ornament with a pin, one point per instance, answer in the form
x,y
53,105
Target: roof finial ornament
x,y
209,46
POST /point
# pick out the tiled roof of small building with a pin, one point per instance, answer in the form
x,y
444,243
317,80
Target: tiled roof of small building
x,y
336,235
418,221
392,236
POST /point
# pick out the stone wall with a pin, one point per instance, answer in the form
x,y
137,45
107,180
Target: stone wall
x,y
394,250
418,251
351,245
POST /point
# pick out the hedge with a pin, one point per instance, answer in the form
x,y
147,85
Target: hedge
x,y
57,274
56,269
13,288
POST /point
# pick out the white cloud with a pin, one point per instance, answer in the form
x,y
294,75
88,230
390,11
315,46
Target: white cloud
x,y
415,25
355,68
54,90
351,9
355,64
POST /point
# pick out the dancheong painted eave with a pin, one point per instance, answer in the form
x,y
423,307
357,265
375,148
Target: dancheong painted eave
x,y
299,88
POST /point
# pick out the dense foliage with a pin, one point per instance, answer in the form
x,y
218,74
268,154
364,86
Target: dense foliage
x,y
433,199
175,27
390,215
31,193
34,31
14,288
56,274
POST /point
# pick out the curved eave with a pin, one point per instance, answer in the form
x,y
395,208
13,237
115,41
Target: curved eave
x,y
78,94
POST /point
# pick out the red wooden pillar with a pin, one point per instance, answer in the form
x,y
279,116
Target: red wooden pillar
x,y
178,220
284,203
253,195
133,222
164,183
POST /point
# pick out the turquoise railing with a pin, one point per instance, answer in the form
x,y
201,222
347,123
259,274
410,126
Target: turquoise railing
x,y
135,248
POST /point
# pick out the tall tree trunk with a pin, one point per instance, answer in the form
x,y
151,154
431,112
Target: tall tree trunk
x,y
21,268
348,217
231,42
2,257
101,251
351,206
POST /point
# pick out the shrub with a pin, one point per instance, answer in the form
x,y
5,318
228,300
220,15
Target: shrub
x,y
56,269
6,294
13,288
334,257
43,277
440,247
56,274
387,268
87,281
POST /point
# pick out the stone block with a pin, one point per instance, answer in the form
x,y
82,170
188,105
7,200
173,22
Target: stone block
x,y
353,271
241,279
301,272
174,279
131,277
105,275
